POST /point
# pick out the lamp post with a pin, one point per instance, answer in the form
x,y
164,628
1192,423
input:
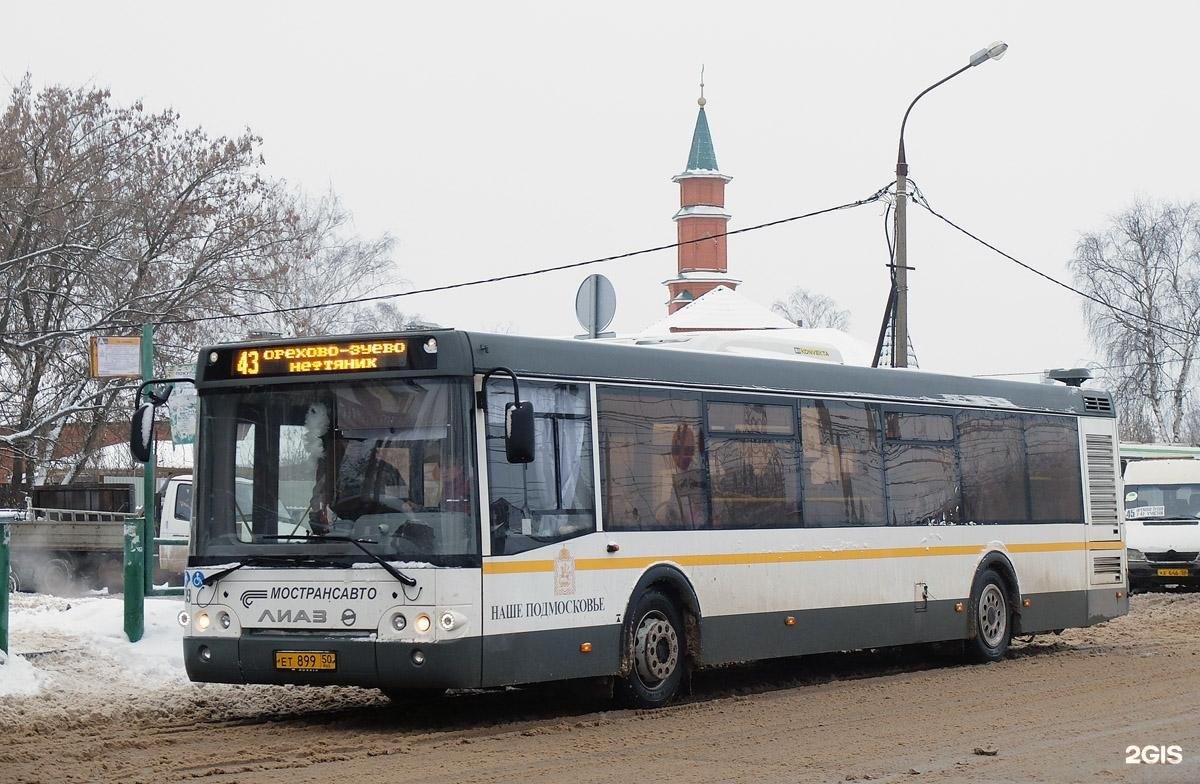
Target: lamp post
x,y
900,319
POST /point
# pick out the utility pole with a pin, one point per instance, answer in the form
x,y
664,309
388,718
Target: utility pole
x,y
900,263
900,268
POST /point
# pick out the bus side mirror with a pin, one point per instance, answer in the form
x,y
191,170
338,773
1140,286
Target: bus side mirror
x,y
141,432
518,432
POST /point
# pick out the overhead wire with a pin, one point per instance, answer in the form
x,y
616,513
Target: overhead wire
x,y
876,196
1140,317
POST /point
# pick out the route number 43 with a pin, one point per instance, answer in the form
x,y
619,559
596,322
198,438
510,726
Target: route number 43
x,y
1152,755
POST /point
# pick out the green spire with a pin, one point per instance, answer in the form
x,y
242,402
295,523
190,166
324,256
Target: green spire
x,y
702,155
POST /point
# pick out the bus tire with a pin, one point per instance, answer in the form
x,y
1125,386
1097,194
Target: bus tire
x,y
991,618
657,650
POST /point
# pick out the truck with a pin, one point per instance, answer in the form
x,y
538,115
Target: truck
x,y
70,538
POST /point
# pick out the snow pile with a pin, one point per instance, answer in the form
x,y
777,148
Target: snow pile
x,y
72,668
82,642
18,677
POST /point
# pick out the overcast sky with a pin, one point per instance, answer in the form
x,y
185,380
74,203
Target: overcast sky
x,y
498,137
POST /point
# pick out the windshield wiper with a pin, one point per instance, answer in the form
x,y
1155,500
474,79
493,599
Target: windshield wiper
x,y
257,560
359,543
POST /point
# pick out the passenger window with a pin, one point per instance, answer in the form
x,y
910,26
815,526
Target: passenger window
x,y
552,498
843,469
754,470
1052,444
922,484
921,472
652,449
992,457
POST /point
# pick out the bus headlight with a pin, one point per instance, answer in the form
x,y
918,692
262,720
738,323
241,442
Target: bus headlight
x,y
183,618
447,621
224,620
399,622
423,623
203,622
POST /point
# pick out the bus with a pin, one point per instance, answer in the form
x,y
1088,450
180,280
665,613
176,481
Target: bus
x,y
417,512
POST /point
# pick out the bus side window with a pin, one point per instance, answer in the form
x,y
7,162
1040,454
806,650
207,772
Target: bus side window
x,y
753,462
992,461
920,465
1052,444
652,447
842,465
552,498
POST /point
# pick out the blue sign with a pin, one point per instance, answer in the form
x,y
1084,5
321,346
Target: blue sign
x,y
198,579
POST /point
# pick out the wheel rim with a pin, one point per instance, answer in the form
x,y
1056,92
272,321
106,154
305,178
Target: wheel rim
x,y
656,649
993,615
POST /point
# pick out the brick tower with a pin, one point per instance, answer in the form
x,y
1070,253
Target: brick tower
x,y
702,265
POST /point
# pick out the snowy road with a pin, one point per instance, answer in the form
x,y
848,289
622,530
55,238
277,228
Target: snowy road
x,y
1059,709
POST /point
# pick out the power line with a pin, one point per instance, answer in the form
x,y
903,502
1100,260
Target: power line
x,y
1056,281
464,284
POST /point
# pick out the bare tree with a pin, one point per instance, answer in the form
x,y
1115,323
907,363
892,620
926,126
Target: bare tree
x,y
112,217
806,308
1144,270
324,264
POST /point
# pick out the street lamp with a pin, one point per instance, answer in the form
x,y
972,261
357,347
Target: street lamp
x,y
900,320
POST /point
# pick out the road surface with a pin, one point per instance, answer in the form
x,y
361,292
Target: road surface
x,y
1059,709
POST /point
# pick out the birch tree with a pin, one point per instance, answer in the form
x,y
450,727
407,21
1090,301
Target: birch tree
x,y
810,309
1144,270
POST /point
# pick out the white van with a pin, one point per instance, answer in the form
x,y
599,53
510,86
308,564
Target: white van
x,y
1162,528
175,520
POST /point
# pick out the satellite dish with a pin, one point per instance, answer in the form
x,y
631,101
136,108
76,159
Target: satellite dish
x,y
595,305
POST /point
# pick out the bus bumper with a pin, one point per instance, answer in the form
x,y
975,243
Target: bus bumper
x,y
450,664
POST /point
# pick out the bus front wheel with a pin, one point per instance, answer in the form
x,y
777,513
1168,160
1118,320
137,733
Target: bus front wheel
x,y
992,618
657,651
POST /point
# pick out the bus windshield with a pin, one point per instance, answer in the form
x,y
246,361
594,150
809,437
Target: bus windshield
x,y
383,462
1162,502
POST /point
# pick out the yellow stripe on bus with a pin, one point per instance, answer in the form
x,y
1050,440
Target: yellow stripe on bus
x,y
794,556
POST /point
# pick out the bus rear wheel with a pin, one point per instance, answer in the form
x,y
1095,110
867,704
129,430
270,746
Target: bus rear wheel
x,y
992,619
657,650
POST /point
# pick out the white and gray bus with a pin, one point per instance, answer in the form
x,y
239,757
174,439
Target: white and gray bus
x,y
374,510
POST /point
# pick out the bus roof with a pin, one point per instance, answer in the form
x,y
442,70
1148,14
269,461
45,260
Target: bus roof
x,y
468,353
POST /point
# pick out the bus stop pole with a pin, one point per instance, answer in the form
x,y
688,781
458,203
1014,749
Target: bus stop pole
x,y
135,585
148,483
4,581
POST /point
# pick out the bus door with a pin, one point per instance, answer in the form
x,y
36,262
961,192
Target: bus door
x,y
539,609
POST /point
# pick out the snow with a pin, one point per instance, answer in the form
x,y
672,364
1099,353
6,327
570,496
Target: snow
x,y
72,669
88,633
18,677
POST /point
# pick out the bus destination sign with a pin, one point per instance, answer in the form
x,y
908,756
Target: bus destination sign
x,y
337,357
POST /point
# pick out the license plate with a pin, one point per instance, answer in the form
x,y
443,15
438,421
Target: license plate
x,y
305,661
1173,572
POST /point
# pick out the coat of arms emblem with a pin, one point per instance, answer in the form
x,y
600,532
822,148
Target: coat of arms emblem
x,y
564,573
